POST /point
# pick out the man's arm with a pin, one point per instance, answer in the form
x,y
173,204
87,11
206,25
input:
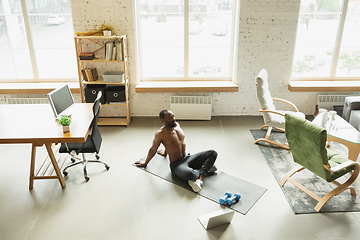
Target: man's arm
x,y
162,152
152,151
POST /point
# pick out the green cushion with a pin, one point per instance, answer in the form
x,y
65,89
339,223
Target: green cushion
x,y
307,142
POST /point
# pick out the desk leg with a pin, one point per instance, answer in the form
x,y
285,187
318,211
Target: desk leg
x,y
55,165
354,149
32,166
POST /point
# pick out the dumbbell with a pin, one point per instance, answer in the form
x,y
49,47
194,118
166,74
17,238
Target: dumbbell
x,y
225,198
234,199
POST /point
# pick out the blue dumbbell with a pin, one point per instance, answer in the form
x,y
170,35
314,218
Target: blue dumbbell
x,y
223,200
234,199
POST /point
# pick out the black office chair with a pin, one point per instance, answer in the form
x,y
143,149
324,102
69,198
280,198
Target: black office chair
x,y
91,145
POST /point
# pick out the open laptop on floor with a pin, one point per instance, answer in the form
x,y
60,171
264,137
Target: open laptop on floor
x,y
61,101
217,218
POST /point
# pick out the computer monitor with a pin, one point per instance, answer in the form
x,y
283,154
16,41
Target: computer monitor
x,y
60,100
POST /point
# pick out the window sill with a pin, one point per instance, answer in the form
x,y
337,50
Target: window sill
x,y
198,86
35,88
324,86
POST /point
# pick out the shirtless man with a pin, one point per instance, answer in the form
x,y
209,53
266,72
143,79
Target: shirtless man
x,y
192,168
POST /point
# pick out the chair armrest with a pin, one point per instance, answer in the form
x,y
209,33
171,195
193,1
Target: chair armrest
x,y
341,166
287,102
272,111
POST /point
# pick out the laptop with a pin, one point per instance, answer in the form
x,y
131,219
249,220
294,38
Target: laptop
x,y
61,100
217,218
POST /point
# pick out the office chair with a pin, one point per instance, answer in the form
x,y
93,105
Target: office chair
x,y
273,118
307,143
91,145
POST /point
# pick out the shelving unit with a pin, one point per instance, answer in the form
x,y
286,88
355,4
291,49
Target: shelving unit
x,y
101,40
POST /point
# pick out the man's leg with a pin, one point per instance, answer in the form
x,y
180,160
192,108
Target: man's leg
x,y
203,161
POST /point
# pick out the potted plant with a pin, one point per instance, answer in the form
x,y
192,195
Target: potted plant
x,y
65,121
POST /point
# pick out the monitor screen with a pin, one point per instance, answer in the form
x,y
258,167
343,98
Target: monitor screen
x,y
60,99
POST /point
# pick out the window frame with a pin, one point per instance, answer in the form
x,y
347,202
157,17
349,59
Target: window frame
x,y
335,60
233,49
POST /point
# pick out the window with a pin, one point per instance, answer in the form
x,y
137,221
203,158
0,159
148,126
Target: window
x,y
328,40
186,39
36,41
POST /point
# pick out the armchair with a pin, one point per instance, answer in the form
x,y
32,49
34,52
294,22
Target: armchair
x,y
272,118
307,143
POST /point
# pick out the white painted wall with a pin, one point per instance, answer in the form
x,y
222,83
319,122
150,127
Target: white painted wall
x,y
267,34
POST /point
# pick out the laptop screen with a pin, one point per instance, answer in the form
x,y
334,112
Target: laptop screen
x,y
60,99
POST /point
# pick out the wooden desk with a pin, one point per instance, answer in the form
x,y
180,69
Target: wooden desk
x,y
35,124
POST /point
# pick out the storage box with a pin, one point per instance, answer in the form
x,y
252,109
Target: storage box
x,y
113,77
115,94
91,91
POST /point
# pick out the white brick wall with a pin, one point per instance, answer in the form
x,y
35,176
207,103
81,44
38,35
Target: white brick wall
x,y
267,33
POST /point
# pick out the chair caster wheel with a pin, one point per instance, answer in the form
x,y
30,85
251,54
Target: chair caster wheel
x,y
72,160
97,157
87,179
65,173
107,168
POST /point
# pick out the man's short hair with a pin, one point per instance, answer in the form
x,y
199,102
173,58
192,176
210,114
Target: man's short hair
x,y
162,113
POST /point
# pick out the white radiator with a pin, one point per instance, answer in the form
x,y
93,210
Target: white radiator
x,y
27,100
191,107
329,101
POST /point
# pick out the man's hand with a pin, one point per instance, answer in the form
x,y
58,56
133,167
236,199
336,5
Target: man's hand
x,y
162,153
140,164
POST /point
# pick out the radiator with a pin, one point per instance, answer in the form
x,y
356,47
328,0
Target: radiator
x,y
329,101
27,100
191,107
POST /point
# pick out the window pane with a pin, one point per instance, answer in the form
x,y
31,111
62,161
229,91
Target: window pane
x,y
163,46
56,63
15,64
349,57
209,40
316,38
51,34
162,39
15,60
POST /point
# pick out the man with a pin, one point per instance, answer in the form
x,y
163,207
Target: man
x,y
192,168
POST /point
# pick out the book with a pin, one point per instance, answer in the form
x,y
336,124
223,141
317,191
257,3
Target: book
x,y
86,57
108,50
86,53
119,54
114,53
89,75
94,74
83,73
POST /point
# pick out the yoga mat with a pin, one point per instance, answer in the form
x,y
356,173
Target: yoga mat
x,y
281,162
214,187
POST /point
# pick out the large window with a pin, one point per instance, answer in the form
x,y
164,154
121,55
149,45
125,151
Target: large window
x,y
36,41
328,40
186,39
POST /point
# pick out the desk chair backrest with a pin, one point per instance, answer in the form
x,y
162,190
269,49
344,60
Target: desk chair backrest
x,y
263,94
307,142
95,134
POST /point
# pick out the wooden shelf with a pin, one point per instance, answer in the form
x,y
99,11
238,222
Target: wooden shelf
x,y
101,81
100,60
99,40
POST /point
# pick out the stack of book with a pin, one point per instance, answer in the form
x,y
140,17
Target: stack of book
x,y
89,74
86,55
